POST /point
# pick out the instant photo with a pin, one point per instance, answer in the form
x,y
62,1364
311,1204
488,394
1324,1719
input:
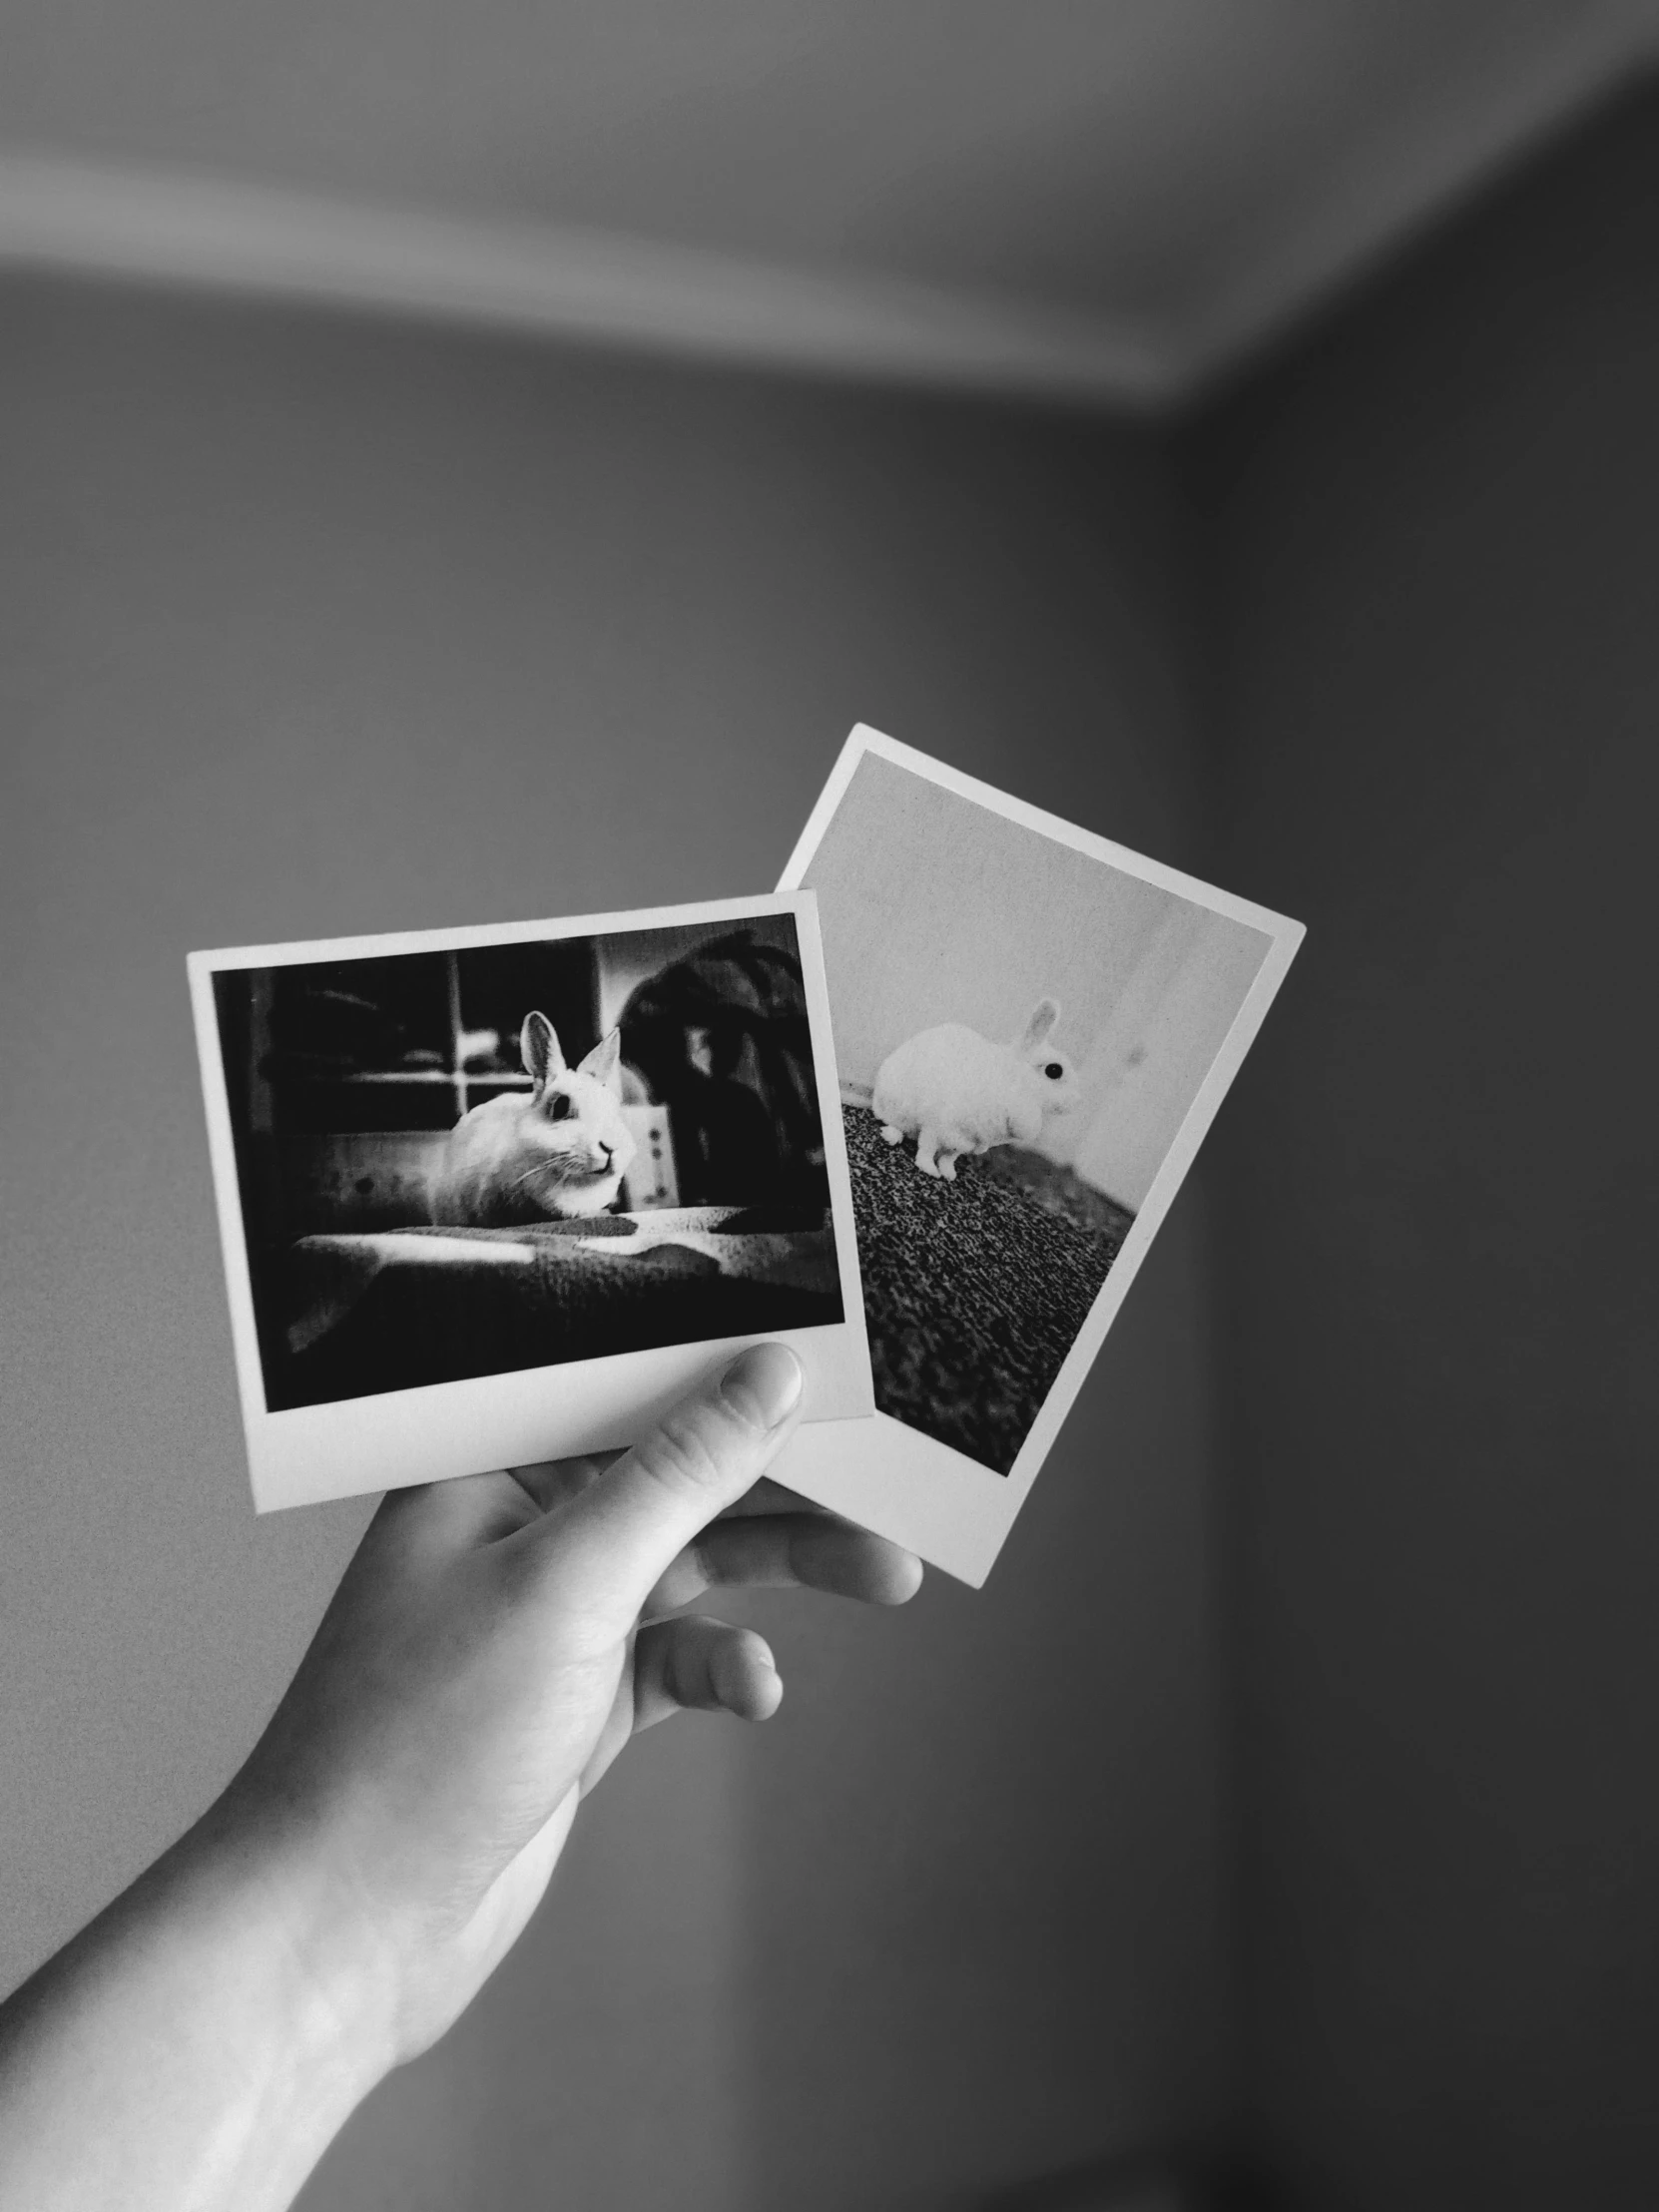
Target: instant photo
x,y
1034,1030
502,1194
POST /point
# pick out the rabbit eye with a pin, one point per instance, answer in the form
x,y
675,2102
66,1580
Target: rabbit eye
x,y
1054,1070
559,1106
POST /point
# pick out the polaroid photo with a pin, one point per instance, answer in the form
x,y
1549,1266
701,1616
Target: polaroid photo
x,y
1034,1028
490,1196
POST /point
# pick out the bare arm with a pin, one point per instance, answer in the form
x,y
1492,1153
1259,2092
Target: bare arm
x,y
492,1646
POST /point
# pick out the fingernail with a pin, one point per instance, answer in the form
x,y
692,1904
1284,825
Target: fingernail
x,y
763,1384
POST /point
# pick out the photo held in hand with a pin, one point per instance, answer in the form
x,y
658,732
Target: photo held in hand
x,y
495,1194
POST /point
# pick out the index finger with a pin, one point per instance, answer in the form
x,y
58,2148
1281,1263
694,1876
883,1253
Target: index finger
x,y
550,1482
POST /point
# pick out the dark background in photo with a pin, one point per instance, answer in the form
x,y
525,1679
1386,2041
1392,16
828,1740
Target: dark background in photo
x,y
344,1079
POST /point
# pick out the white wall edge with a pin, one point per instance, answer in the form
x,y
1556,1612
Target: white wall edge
x,y
218,234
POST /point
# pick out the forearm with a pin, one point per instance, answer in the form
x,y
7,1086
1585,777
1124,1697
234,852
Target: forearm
x,y
494,1643
186,2052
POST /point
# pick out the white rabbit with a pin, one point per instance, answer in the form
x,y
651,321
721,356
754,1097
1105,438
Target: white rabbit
x,y
954,1091
561,1149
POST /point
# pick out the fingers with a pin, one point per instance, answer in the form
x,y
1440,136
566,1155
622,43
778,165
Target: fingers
x,y
767,1496
549,1482
787,1550
697,1665
430,1520
602,1551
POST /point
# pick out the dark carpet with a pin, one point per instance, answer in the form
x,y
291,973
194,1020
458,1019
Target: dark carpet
x,y
974,1290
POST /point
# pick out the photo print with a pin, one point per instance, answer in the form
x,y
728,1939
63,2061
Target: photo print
x,y
1034,1028
493,1196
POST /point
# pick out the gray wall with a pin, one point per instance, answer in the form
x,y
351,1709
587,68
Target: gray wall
x,y
315,628
1434,532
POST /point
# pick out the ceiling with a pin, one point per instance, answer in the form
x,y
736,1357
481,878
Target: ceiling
x,y
1114,199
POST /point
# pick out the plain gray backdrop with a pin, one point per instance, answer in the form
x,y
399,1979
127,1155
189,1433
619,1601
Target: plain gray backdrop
x,y
321,627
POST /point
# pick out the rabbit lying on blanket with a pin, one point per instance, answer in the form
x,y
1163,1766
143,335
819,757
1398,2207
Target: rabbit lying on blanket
x,y
954,1091
560,1149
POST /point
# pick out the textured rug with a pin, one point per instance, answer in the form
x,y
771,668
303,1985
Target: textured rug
x,y
974,1290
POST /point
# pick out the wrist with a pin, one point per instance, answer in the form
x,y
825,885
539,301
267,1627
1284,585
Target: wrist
x,y
330,1982
200,2017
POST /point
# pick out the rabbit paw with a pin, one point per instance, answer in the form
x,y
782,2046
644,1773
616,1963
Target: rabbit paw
x,y
890,1135
936,1156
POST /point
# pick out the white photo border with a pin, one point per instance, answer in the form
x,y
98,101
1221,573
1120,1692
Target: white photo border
x,y
394,1438
892,1479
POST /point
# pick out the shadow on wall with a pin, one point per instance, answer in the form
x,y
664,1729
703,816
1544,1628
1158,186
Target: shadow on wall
x,y
1133,2184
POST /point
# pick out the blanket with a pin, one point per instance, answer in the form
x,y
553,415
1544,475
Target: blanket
x,y
399,1309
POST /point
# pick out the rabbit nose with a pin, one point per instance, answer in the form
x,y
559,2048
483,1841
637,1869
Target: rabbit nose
x,y
609,1151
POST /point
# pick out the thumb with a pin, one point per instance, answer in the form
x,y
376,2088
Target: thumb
x,y
603,1552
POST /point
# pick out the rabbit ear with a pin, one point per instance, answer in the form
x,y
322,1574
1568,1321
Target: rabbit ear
x,y
538,1049
603,1063
1044,1015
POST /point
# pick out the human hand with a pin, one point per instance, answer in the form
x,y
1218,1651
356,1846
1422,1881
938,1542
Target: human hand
x,y
492,1646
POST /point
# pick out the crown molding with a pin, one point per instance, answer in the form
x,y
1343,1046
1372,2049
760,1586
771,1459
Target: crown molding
x,y
218,234
1393,192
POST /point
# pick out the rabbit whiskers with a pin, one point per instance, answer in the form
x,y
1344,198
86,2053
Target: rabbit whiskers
x,y
540,1168
545,1167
